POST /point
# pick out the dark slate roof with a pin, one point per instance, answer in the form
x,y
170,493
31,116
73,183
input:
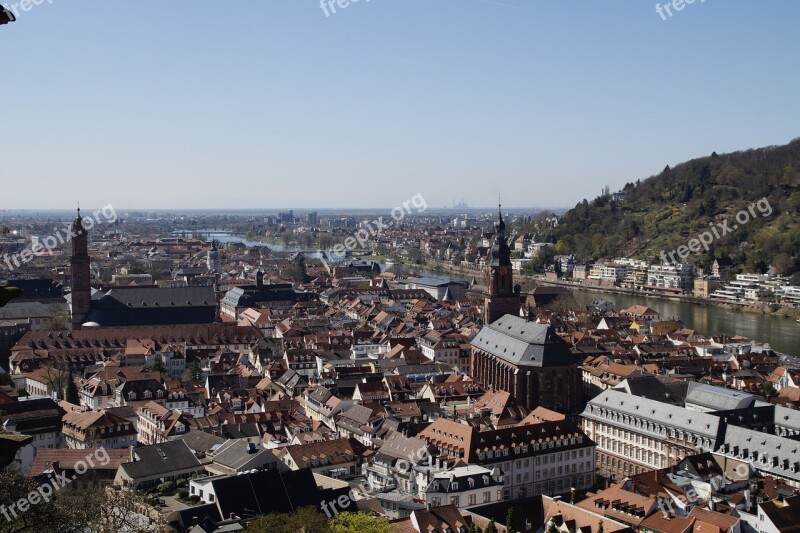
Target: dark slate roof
x,y
32,417
38,289
527,510
650,387
524,343
185,518
145,306
254,295
161,459
269,491
787,518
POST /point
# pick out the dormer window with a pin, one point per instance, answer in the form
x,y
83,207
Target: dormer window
x,y
131,395
148,394
160,394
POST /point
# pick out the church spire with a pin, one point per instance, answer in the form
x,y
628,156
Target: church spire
x,y
501,298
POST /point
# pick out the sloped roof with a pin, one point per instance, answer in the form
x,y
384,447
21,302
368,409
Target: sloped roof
x,y
524,343
161,459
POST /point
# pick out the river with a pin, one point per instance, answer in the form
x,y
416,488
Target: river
x,y
782,334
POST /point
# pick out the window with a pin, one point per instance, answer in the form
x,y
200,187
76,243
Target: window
x,y
472,499
487,497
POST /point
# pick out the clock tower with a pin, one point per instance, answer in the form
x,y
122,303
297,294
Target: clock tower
x,y
503,296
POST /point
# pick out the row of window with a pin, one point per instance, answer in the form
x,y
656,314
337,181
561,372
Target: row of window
x,y
472,499
526,448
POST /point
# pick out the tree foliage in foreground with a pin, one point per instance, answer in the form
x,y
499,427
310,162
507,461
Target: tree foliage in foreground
x,y
70,511
310,520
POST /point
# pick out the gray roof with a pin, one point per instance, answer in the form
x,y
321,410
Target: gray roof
x,y
169,297
201,441
29,310
233,454
161,460
649,386
524,343
429,282
766,452
255,295
398,446
146,306
787,418
718,398
704,424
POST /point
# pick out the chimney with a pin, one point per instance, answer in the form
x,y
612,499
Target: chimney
x,y
132,454
260,279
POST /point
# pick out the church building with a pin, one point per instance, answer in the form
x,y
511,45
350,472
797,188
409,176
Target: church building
x,y
514,354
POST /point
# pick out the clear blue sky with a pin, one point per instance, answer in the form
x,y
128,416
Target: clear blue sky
x,y
269,103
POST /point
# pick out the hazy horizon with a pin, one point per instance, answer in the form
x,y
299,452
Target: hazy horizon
x,y
189,105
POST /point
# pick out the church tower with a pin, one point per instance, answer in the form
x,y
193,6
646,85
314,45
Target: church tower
x,y
503,296
81,276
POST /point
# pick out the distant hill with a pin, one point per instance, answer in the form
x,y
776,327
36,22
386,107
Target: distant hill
x,y
665,211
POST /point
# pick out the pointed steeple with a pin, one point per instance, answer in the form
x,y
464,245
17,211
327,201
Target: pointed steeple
x,y
501,253
500,226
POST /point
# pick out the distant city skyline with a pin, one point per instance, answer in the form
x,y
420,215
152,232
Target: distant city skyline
x,y
286,103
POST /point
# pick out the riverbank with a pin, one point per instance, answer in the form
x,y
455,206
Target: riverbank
x,y
531,281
